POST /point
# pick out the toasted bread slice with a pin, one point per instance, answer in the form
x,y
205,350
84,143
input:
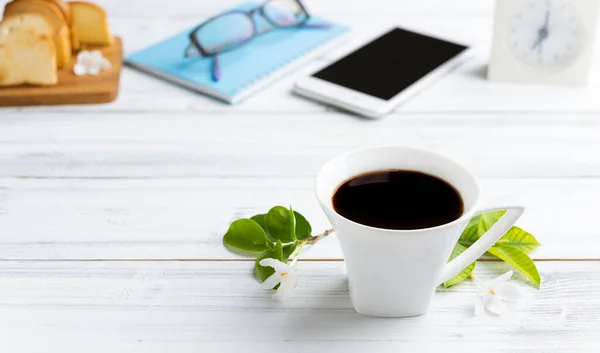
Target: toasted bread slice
x,y
27,58
49,10
66,11
90,23
31,21
64,8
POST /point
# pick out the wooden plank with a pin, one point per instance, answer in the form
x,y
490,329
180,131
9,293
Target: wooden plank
x,y
219,307
72,89
156,145
186,218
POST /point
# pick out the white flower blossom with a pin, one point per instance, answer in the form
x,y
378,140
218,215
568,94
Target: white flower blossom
x,y
90,63
492,294
284,275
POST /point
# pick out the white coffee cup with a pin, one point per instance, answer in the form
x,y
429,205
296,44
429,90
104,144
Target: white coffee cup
x,y
394,273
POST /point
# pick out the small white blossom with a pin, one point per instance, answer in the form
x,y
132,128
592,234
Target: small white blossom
x,y
284,275
492,294
90,63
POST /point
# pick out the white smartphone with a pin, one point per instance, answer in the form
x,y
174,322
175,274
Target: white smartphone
x,y
381,74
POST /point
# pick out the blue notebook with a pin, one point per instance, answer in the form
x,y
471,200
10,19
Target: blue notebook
x,y
246,69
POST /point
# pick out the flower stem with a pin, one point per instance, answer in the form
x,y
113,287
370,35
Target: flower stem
x,y
297,254
318,237
310,241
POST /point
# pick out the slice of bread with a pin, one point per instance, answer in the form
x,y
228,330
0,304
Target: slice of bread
x,y
75,43
31,21
64,8
27,58
49,10
90,23
66,11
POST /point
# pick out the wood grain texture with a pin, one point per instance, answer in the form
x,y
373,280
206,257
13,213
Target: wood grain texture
x,y
160,173
185,218
219,307
72,89
155,145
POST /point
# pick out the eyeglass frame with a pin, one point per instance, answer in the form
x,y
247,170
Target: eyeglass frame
x,y
195,44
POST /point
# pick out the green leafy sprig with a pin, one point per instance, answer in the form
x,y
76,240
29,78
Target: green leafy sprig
x,y
512,248
282,232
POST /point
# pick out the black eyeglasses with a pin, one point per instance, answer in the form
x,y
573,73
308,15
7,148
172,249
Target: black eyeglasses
x,y
230,30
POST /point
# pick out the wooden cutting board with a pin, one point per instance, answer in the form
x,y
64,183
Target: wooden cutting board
x,y
72,89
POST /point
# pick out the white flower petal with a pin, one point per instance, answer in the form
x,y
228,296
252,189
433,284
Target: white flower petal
x,y
79,69
280,294
96,54
508,292
269,262
484,289
84,54
494,304
285,289
478,306
104,64
285,286
90,63
93,70
293,279
502,278
289,281
276,264
271,281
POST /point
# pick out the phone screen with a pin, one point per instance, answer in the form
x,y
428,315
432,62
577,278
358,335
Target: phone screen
x,y
389,64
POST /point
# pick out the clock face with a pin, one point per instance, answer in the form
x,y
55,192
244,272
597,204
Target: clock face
x,y
547,34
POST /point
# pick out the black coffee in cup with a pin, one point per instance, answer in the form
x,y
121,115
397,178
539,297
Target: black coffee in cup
x,y
398,199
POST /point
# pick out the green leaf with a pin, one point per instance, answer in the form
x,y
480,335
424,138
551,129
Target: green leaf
x,y
470,235
477,227
261,219
471,232
488,219
288,250
246,235
465,273
263,272
511,248
303,228
474,222
519,260
281,224
518,238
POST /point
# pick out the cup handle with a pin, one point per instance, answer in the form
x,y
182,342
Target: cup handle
x,y
514,210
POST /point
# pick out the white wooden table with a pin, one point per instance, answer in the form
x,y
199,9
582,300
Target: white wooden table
x,y
111,216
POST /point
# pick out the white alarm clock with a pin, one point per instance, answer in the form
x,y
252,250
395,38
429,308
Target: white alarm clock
x,y
543,41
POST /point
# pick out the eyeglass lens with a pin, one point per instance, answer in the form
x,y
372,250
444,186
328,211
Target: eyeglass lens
x,y
285,13
229,30
225,31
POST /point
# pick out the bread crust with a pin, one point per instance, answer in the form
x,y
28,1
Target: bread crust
x,y
85,3
77,25
7,19
63,7
62,36
66,11
12,6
